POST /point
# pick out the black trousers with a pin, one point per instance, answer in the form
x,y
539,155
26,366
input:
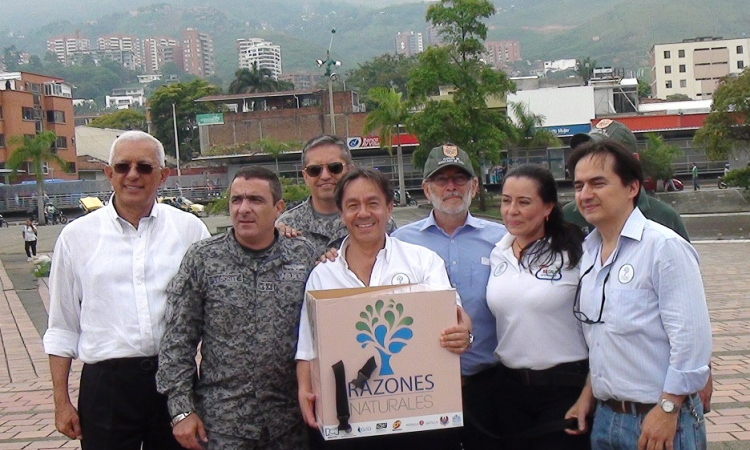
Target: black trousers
x,y
480,412
523,407
120,409
30,247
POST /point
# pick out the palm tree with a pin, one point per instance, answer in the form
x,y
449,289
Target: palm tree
x,y
256,80
390,112
36,150
527,132
585,68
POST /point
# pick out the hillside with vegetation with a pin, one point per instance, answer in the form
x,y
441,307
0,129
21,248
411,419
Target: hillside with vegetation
x,y
617,32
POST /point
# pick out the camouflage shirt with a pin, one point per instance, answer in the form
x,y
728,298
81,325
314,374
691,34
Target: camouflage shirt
x,y
244,307
324,231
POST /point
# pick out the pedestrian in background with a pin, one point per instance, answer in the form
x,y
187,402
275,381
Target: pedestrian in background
x,y
694,172
29,239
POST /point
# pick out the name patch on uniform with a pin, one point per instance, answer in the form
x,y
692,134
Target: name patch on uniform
x,y
548,273
500,269
293,272
227,278
266,286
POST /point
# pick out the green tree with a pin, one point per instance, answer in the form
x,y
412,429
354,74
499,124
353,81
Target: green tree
x,y
585,68
644,88
465,119
35,64
274,148
527,132
739,178
36,151
389,113
385,71
256,80
183,96
727,127
11,57
658,157
124,119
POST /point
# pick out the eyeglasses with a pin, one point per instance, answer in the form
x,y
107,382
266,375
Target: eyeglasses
x,y
580,315
458,180
334,168
141,168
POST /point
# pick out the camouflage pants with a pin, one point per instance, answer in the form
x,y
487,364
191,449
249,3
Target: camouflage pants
x,y
294,439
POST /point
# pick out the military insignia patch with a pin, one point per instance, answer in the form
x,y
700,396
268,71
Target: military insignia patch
x,y
604,123
451,151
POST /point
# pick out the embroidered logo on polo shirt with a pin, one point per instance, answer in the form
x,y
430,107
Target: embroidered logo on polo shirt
x,y
500,269
548,273
626,273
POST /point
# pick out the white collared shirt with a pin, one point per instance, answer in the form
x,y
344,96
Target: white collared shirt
x,y
656,335
533,306
397,263
108,282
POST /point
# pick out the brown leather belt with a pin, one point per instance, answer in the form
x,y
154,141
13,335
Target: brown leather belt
x,y
624,407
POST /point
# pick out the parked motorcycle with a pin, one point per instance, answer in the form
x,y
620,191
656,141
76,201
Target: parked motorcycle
x,y
3,222
722,184
397,198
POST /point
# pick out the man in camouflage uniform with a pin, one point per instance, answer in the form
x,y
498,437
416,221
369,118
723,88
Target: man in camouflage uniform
x,y
238,294
325,159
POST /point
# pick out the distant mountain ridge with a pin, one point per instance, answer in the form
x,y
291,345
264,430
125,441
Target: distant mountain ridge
x,y
616,32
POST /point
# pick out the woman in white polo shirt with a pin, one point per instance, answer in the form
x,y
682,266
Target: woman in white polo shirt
x,y
531,291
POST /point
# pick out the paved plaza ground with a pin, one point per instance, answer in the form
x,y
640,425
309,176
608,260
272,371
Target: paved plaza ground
x,y
26,410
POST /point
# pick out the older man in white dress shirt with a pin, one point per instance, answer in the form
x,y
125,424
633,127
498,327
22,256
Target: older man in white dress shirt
x,y
108,282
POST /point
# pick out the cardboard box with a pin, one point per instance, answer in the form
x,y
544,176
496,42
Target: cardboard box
x,y
416,385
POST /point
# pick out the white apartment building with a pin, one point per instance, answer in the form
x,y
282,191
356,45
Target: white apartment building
x,y
258,51
409,43
64,47
123,46
694,67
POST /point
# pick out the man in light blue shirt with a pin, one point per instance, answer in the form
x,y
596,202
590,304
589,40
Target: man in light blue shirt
x,y
464,243
641,301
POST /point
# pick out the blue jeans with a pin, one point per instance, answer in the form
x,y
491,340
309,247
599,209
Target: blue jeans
x,y
615,431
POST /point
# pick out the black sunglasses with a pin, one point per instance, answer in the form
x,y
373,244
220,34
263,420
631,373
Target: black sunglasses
x,y
334,168
580,315
141,168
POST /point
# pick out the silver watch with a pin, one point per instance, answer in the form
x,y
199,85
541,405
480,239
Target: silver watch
x,y
180,417
668,406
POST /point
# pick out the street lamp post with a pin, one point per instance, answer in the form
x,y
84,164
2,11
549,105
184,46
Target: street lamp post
x,y
176,140
331,78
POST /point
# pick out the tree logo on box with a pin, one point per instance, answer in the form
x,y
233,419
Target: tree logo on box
x,y
387,329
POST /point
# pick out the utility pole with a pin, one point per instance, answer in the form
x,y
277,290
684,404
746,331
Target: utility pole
x,y
331,78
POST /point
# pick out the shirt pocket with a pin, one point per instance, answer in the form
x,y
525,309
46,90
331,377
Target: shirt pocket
x,y
625,310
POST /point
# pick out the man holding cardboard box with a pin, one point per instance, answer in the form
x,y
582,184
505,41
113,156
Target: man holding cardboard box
x,y
465,243
238,295
369,257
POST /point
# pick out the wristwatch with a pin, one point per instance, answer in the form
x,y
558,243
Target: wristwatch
x,y
668,406
180,417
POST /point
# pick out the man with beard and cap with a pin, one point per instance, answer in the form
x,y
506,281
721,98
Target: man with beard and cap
x,y
464,242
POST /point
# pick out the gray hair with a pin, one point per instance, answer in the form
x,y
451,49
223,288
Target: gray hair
x,y
136,136
327,139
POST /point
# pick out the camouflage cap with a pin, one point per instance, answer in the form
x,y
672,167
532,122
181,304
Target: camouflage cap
x,y
607,128
445,156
